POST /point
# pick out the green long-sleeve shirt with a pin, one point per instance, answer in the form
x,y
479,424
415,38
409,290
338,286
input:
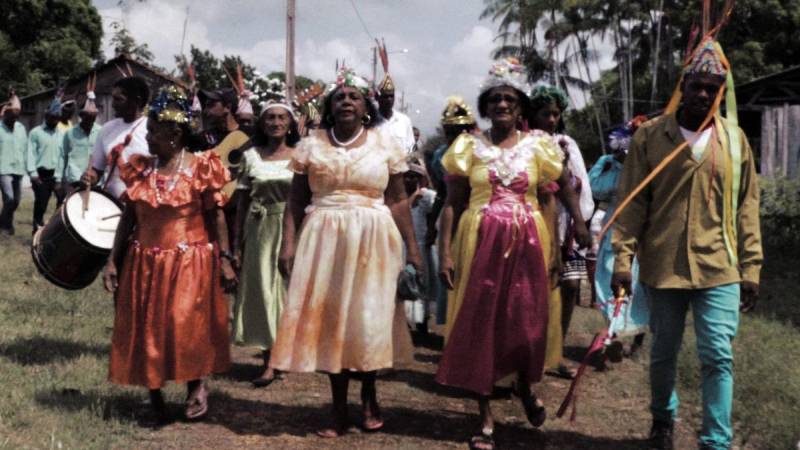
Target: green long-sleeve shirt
x,y
673,225
74,153
13,149
43,149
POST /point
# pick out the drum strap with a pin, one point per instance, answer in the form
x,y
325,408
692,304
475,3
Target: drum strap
x,y
117,150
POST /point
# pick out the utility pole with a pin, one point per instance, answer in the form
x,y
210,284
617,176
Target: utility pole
x,y
290,78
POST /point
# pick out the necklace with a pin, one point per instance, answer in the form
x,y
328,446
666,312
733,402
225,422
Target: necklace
x,y
173,180
345,144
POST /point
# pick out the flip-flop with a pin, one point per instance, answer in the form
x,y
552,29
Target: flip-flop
x,y
374,427
333,432
483,441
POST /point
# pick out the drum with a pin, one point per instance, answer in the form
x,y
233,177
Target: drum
x,y
72,248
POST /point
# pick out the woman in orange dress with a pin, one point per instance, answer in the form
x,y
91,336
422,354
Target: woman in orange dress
x,y
171,318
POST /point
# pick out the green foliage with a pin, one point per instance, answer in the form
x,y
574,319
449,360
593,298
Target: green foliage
x,y
44,42
125,44
780,212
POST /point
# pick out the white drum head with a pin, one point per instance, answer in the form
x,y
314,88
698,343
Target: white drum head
x,y
98,224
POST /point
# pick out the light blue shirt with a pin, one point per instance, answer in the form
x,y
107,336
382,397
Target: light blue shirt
x,y
43,148
13,149
74,153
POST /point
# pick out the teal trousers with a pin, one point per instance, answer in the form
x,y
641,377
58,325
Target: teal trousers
x,y
716,319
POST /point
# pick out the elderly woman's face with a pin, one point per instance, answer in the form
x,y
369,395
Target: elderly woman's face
x,y
503,106
348,105
275,123
161,137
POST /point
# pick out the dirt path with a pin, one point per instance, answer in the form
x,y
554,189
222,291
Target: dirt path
x,y
419,414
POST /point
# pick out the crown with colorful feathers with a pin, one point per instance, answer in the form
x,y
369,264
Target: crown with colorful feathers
x,y
171,105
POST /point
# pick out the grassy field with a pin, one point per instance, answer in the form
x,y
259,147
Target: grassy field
x,y
53,362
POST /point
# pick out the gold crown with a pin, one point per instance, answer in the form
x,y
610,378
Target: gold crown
x,y
457,112
387,84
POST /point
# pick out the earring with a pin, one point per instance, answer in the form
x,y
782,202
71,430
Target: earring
x,y
366,119
329,120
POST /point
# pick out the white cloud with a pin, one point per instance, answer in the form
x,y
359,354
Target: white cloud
x,y
448,48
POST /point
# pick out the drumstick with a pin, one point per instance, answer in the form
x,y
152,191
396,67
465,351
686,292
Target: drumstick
x,y
85,194
110,217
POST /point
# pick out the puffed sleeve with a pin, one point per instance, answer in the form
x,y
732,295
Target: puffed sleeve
x,y
548,158
300,157
243,181
210,178
397,157
457,160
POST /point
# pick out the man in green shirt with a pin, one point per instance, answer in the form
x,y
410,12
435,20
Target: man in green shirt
x,y
13,148
75,150
695,230
43,149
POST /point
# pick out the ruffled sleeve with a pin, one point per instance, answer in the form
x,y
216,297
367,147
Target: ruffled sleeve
x,y
243,180
300,156
397,157
457,160
210,177
549,160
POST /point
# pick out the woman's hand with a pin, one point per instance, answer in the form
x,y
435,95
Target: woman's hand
x,y
229,279
237,259
286,260
447,271
415,259
582,235
110,281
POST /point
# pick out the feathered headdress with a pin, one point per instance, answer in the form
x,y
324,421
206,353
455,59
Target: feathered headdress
x,y
386,85
89,106
346,77
244,107
13,103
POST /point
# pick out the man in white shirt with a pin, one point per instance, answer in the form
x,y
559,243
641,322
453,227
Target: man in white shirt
x,y
129,97
394,122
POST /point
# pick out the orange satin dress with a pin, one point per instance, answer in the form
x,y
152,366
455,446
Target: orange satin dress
x,y
171,318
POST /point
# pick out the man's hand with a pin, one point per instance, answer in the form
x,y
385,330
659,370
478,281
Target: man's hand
x,y
582,235
749,296
621,280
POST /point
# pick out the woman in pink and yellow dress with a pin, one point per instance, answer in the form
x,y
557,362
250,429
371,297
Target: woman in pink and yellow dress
x,y
496,264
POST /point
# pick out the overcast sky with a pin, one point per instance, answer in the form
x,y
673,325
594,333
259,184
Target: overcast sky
x,y
448,46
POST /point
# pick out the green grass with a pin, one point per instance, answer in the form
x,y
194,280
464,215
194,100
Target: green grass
x,y
766,360
54,345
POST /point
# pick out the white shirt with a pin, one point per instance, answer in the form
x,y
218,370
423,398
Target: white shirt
x,y
698,143
113,133
399,127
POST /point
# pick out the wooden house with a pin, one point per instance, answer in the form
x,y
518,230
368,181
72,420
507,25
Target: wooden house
x,y
34,106
769,113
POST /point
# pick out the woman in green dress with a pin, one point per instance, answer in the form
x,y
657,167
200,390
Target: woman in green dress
x,y
258,229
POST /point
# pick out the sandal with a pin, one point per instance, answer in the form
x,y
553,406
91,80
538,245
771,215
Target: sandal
x,y
197,403
372,425
483,441
562,371
336,431
264,382
534,408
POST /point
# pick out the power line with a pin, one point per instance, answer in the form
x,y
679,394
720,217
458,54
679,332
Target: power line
x,y
361,19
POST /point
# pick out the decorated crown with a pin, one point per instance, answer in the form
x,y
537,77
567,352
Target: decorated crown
x,y
347,77
171,105
506,72
457,112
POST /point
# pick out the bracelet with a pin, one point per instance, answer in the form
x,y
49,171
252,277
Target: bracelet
x,y
226,255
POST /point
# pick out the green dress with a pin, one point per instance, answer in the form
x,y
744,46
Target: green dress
x,y
260,299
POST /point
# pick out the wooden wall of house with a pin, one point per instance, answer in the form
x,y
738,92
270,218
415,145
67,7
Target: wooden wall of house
x,y
780,141
33,108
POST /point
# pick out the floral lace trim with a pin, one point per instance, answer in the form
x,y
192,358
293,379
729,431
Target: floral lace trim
x,y
506,164
179,247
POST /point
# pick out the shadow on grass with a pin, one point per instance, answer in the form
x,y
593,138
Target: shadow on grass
x,y
122,406
246,417
242,372
36,350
